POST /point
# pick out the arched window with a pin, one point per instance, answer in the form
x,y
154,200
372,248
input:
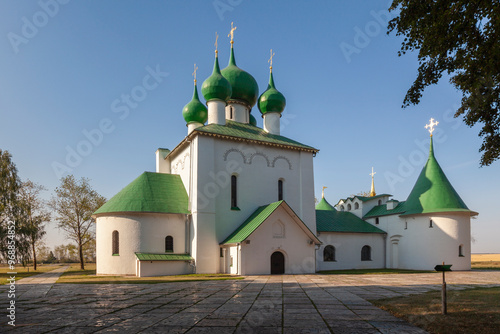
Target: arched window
x,y
379,202
341,208
115,241
234,202
329,254
348,207
169,244
461,251
230,113
366,253
356,206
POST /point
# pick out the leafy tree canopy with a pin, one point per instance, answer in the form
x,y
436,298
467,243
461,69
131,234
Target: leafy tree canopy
x,y
462,39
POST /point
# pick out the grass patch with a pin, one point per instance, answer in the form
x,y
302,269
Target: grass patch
x,y
469,311
88,276
372,272
23,272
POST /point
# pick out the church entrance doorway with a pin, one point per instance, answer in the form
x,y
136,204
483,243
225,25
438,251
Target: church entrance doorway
x,y
277,263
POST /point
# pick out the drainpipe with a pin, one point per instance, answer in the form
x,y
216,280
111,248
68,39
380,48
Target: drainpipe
x,y
385,251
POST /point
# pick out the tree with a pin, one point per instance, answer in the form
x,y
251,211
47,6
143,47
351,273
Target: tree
x,y
74,202
11,234
462,39
33,215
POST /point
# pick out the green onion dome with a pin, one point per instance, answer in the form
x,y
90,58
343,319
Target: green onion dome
x,y
244,87
253,121
195,111
216,87
271,100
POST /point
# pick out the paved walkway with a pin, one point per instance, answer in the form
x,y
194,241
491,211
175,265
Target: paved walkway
x,y
37,286
257,304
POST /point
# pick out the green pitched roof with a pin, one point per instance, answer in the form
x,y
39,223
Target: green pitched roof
x,y
324,205
339,221
381,210
257,218
251,133
163,257
252,223
433,192
150,192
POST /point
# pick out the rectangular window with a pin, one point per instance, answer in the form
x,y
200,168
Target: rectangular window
x,y
234,202
377,221
430,224
280,190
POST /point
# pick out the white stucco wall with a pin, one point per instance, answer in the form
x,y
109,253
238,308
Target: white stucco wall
x,y
348,250
421,247
162,268
180,164
142,233
294,243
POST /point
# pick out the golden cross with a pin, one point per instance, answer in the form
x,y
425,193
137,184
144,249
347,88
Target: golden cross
x,y
372,173
216,38
323,192
431,126
194,73
270,61
231,33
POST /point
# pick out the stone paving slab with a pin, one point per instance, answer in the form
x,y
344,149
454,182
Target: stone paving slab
x,y
257,304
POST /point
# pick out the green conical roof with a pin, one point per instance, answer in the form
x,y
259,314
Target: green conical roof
x,y
243,85
324,205
216,87
195,111
271,100
433,192
150,192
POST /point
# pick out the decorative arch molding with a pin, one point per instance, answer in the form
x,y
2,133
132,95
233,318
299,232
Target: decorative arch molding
x,y
249,158
280,157
226,154
259,154
180,163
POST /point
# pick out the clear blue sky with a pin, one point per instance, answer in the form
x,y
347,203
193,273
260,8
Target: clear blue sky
x,y
64,69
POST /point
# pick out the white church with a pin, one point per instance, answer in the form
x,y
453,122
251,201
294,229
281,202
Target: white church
x,y
235,198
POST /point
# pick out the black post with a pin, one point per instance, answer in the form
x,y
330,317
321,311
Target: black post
x,y
443,296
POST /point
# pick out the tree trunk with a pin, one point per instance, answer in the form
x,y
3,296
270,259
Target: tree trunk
x,y
34,254
80,251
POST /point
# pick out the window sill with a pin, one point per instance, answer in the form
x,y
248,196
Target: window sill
x,y
235,208
461,256
116,255
366,260
329,260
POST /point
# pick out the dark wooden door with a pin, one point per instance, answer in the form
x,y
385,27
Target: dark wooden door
x,y
277,263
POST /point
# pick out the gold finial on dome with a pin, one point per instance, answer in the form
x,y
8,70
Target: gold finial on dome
x,y
231,34
270,61
372,190
194,73
431,126
216,44
323,192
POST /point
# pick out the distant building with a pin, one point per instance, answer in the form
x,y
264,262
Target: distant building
x,y
235,198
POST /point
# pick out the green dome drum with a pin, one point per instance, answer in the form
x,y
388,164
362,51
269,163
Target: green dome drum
x,y
195,111
244,87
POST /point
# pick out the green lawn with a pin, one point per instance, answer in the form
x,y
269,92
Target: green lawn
x,y
469,311
23,272
88,276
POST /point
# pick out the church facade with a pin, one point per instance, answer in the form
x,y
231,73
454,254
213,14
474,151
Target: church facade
x,y
235,198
